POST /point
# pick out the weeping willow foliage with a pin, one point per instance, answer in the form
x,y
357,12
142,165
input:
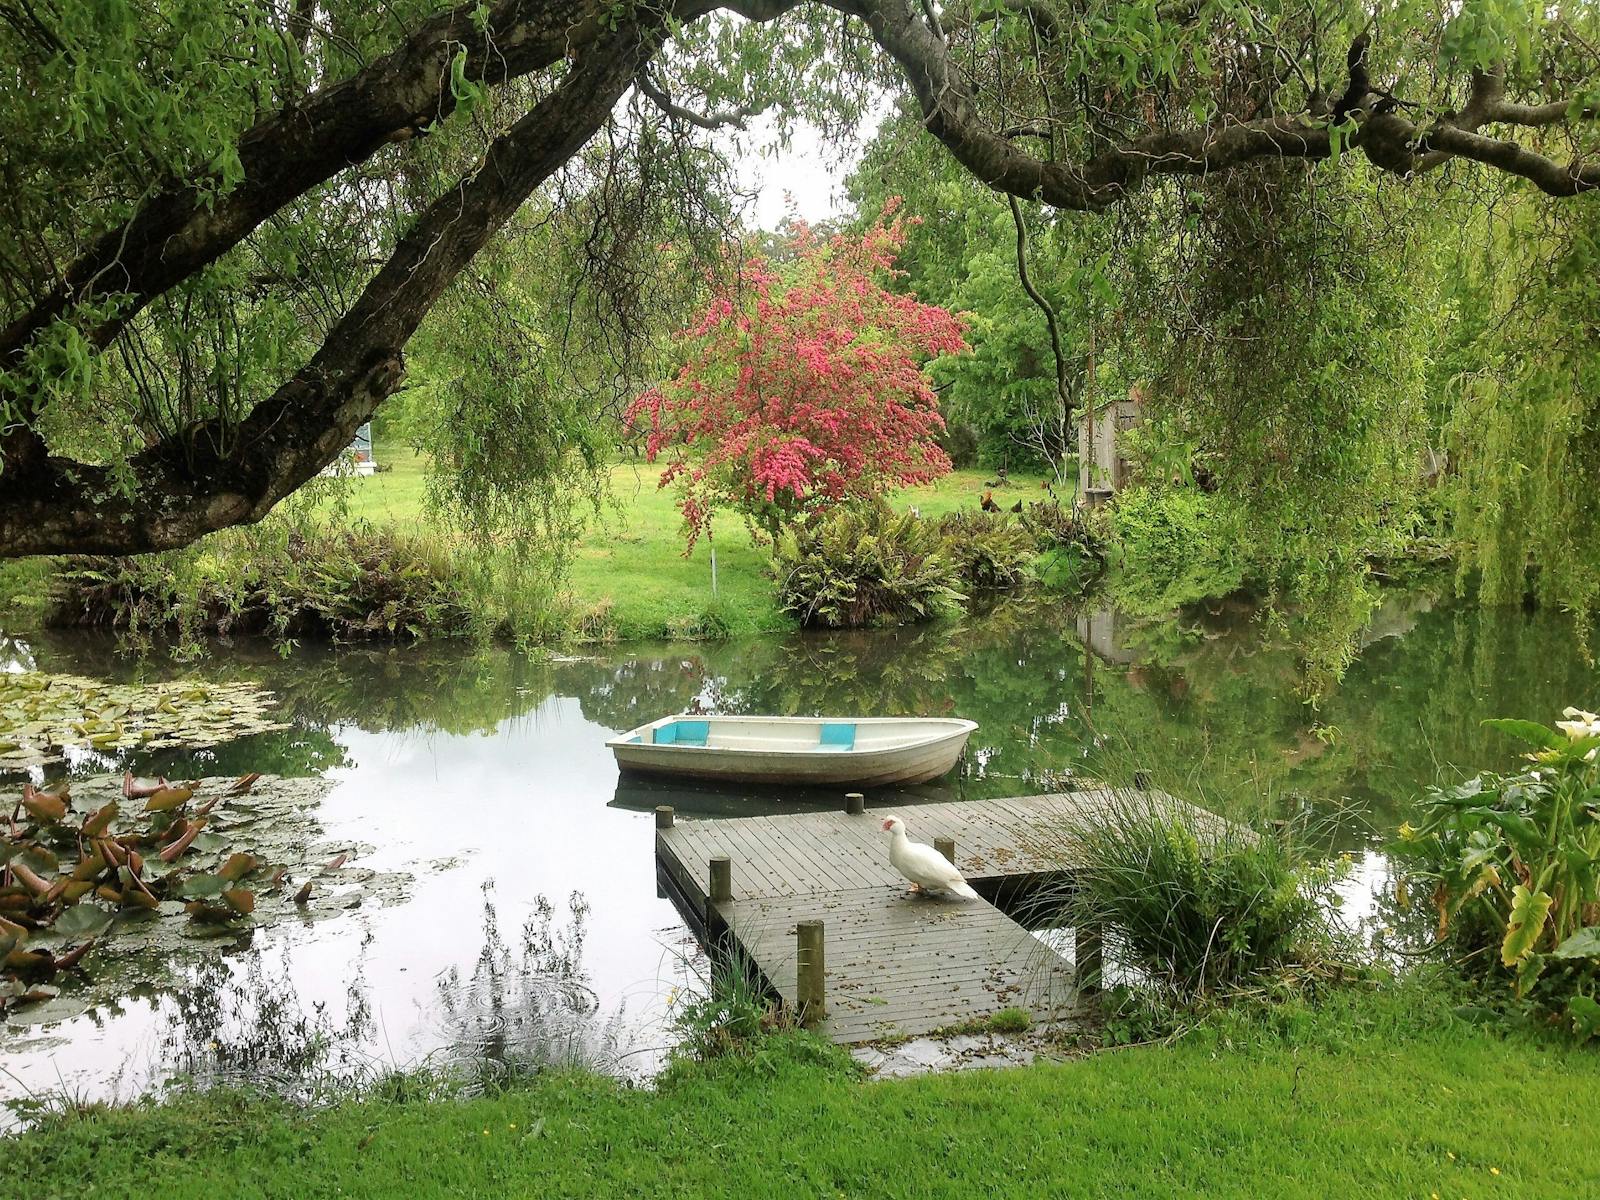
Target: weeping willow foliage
x,y
116,102
1524,420
1285,318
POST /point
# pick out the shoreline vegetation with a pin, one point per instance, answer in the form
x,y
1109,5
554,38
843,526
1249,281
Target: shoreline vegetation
x,y
368,560
379,565
1379,1092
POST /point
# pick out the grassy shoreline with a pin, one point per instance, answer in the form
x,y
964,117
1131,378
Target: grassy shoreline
x,y
628,578
629,574
1373,1095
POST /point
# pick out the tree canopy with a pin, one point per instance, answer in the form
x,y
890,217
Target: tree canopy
x,y
802,385
223,226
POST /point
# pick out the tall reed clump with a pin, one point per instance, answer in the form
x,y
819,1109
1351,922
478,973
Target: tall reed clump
x,y
727,1014
1188,905
865,565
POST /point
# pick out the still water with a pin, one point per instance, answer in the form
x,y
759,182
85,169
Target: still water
x,y
532,931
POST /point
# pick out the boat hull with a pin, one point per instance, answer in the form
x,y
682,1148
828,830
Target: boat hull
x,y
863,766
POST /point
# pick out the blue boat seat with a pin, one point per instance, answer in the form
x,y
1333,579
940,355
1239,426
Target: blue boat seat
x,y
683,733
839,735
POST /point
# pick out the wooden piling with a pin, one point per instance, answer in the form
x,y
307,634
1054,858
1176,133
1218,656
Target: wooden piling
x,y
721,880
1089,958
855,803
946,846
810,973
664,816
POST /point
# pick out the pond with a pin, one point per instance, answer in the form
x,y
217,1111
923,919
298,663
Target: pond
x,y
530,929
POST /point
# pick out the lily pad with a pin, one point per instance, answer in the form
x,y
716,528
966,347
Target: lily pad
x,y
41,715
83,921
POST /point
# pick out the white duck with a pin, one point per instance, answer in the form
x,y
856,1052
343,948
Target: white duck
x,y
927,869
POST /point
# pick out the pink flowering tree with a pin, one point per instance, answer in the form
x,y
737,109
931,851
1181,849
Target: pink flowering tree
x,y
802,387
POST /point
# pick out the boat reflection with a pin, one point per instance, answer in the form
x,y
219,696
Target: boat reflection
x,y
643,793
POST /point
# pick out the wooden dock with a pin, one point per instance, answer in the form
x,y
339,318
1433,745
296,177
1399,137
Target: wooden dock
x,y
896,964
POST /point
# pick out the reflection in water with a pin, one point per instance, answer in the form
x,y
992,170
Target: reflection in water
x,y
467,767
1208,701
526,1009
242,1022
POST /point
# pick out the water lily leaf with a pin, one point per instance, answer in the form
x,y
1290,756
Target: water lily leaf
x,y
241,900
100,822
238,866
203,886
1529,911
83,921
244,783
167,799
210,914
43,806
1583,944
39,859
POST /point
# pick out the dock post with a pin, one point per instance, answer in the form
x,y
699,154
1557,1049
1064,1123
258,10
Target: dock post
x,y
855,803
809,972
664,816
721,880
1089,958
946,847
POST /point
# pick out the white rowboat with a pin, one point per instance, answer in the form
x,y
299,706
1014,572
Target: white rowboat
x,y
863,751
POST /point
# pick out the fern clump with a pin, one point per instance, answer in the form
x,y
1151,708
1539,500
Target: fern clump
x,y
865,565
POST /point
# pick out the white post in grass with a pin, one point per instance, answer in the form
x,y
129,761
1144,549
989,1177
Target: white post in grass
x,y
712,543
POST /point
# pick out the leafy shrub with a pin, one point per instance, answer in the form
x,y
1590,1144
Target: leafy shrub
x,y
1174,545
1193,905
865,565
1074,550
1511,864
345,584
989,551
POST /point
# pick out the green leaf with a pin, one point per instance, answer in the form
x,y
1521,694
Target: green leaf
x,y
203,886
1476,1014
1531,732
1528,913
83,921
1585,1014
1583,944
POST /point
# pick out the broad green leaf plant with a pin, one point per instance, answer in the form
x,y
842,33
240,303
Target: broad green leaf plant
x,y
1514,864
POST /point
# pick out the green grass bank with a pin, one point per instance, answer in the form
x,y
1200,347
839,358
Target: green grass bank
x,y
1384,1096
629,578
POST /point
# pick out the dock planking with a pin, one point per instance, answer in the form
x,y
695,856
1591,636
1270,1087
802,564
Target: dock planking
x,y
897,964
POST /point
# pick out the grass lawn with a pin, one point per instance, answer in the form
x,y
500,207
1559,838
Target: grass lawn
x,y
629,573
1366,1103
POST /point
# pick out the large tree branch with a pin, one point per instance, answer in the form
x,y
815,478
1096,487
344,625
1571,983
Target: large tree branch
x,y
950,112
1549,176
734,118
62,506
284,155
